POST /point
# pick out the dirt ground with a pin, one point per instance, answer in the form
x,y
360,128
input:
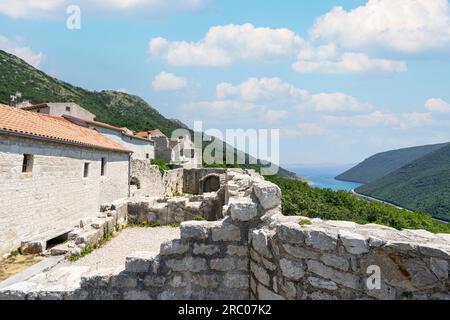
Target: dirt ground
x,y
15,264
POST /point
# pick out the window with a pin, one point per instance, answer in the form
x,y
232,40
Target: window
x,y
86,170
147,156
27,165
68,109
103,169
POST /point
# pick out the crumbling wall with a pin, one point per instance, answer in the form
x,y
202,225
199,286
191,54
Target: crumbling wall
x,y
256,253
173,182
148,179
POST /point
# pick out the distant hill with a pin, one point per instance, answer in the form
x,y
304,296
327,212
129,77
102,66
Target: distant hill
x,y
422,185
117,108
384,163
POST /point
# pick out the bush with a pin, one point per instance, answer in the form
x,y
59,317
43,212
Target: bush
x,y
299,199
163,166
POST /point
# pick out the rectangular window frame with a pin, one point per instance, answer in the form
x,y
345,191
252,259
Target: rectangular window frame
x,y
27,163
103,163
86,170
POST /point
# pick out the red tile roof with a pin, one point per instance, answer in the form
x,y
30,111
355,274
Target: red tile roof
x,y
54,128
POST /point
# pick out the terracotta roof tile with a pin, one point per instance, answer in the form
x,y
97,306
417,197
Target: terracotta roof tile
x,y
52,127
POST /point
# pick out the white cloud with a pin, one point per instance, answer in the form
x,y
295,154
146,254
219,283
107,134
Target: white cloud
x,y
304,129
168,82
402,25
56,8
378,118
326,59
224,45
255,89
437,105
334,102
271,115
23,52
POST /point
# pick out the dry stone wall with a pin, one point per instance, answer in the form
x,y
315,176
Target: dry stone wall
x,y
256,253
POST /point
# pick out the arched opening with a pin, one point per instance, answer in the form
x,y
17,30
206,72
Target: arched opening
x,y
210,184
135,182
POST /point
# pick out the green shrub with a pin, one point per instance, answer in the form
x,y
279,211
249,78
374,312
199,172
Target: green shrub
x,y
163,166
299,199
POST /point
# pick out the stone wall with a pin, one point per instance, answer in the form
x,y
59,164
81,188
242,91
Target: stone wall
x,y
148,179
55,194
256,253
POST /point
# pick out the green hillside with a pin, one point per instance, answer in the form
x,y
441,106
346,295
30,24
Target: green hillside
x,y
298,198
422,185
384,163
116,108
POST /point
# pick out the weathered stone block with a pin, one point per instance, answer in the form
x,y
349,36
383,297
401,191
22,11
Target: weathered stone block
x,y
268,194
322,283
354,243
260,274
291,233
173,247
225,231
335,261
240,251
260,242
301,252
136,295
195,230
236,281
154,281
292,269
205,281
229,264
141,262
243,209
439,268
321,239
205,250
345,279
187,264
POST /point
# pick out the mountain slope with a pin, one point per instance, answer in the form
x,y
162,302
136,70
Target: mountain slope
x,y
423,185
384,163
117,108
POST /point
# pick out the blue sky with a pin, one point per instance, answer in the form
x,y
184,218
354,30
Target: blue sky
x,y
341,79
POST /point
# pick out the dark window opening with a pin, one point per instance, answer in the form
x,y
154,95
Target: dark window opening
x,y
103,168
210,184
135,182
86,170
27,165
147,156
68,109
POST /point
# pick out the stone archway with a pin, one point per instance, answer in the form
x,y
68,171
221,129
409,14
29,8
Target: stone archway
x,y
210,183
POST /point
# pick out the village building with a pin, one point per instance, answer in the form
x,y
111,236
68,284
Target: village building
x,y
54,172
179,152
142,148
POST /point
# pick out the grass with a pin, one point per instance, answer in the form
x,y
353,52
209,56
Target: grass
x,y
161,164
304,222
14,253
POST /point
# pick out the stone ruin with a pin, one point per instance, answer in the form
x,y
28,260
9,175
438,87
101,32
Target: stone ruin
x,y
252,251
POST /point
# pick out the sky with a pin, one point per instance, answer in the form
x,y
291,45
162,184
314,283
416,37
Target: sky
x,y
342,80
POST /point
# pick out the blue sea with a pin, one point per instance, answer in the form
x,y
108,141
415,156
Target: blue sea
x,y
322,176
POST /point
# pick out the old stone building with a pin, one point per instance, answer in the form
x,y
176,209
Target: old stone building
x,y
179,151
142,148
53,173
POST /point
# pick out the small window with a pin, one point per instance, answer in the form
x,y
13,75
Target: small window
x,y
147,156
68,109
86,170
103,169
27,165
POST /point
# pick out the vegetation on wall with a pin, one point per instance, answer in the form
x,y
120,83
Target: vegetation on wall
x,y
163,166
298,198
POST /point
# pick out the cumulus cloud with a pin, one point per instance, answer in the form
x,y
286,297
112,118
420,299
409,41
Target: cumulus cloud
x,y
326,59
168,82
378,118
224,45
56,8
402,25
21,51
304,129
255,89
437,105
334,102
